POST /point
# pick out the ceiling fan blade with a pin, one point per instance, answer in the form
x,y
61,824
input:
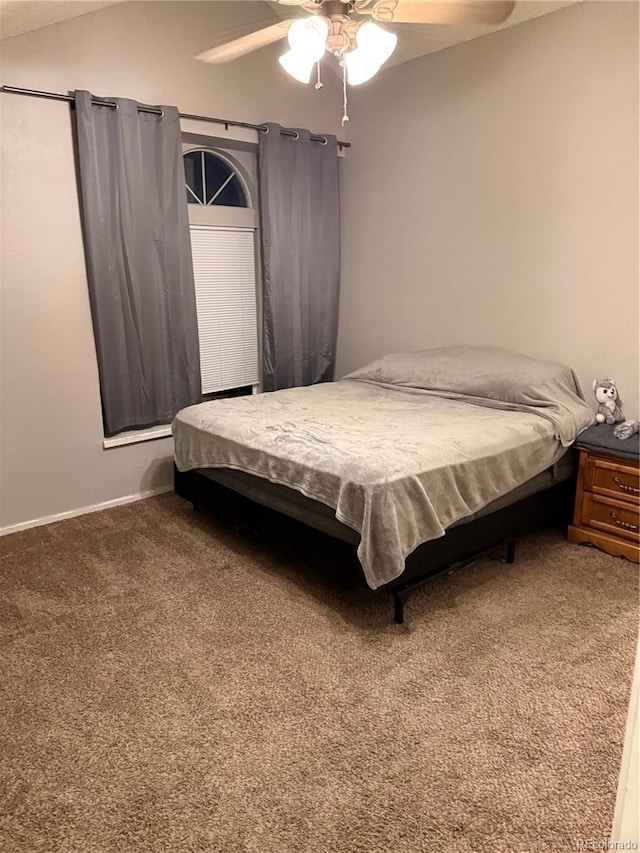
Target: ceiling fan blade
x,y
442,11
245,44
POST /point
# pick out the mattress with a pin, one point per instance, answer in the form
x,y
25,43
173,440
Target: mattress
x,y
400,450
322,517
396,467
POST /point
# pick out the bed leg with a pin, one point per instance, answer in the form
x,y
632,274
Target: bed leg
x,y
509,550
248,524
399,600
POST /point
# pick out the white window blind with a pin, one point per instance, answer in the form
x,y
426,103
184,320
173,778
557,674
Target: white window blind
x,y
225,280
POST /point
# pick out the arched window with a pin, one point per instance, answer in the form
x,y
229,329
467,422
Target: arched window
x,y
212,180
221,187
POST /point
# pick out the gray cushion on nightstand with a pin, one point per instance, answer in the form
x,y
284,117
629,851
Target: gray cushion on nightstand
x,y
600,438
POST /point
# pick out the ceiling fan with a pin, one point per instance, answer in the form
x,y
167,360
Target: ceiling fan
x,y
345,28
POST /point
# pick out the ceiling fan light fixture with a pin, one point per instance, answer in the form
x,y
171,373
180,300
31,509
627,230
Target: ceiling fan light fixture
x,y
297,65
373,47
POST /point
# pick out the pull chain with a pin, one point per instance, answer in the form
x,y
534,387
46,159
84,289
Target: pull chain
x,y
345,116
319,83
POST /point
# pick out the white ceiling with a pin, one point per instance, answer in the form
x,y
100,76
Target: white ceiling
x,y
22,16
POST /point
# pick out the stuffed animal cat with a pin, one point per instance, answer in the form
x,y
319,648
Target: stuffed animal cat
x,y
608,411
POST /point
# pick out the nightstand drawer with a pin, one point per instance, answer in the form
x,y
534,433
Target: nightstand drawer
x,y
613,516
612,479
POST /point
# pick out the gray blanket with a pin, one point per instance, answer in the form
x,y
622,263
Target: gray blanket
x,y
398,459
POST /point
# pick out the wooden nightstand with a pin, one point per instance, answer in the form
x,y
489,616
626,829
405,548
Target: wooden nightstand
x,y
607,508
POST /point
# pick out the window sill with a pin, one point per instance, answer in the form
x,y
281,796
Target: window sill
x,y
136,436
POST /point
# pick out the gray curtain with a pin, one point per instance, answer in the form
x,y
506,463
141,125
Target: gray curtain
x,y
300,229
139,266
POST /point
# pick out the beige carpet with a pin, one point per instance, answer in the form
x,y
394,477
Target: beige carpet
x,y
169,686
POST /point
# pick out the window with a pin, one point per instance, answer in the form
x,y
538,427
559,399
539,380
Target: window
x,y
212,180
225,278
223,225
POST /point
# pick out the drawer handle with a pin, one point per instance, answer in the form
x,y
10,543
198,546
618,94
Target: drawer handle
x,y
624,486
624,524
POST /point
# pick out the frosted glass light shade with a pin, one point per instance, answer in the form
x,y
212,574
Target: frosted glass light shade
x,y
308,36
374,47
307,39
297,65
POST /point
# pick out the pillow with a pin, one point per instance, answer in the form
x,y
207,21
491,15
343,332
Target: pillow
x,y
497,374
488,376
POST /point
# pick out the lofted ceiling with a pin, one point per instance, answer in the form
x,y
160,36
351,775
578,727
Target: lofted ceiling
x,y
22,16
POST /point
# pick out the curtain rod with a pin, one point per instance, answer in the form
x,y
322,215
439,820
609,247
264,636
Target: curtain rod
x,y
53,96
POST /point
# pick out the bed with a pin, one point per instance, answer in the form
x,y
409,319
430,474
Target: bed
x,y
421,459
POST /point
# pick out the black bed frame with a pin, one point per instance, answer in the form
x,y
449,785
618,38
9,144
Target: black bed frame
x,y
461,545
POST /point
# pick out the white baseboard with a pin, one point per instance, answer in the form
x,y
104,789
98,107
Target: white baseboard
x,y
73,513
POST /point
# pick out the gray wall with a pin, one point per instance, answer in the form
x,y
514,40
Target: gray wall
x,y
52,458
492,198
